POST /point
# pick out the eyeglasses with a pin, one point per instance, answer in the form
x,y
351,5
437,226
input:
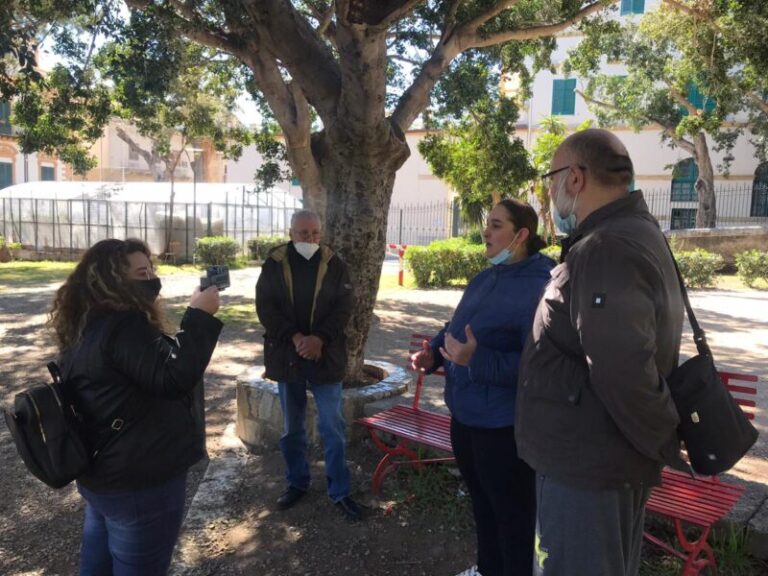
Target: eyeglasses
x,y
546,179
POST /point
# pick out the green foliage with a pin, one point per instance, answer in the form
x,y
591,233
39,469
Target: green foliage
x,y
554,131
751,266
166,86
435,492
259,247
216,250
479,157
552,252
445,261
698,267
689,71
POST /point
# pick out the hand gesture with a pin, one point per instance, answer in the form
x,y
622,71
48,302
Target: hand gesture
x,y
458,352
310,347
423,359
207,300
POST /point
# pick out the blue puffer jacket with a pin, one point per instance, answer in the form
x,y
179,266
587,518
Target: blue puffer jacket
x,y
498,304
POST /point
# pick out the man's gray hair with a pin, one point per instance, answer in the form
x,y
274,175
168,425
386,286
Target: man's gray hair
x,y
304,214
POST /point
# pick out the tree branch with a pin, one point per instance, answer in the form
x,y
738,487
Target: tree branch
x,y
492,12
682,100
667,130
399,13
759,102
151,158
194,28
472,38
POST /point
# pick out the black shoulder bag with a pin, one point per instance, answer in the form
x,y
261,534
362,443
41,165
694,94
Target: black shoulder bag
x,y
715,430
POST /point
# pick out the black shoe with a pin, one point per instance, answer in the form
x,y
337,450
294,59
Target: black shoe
x,y
349,508
289,498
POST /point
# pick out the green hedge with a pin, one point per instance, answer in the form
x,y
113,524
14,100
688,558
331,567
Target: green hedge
x,y
216,250
552,252
444,261
751,266
698,267
259,247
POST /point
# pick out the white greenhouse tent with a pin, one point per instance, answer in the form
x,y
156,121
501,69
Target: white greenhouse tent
x,y
60,219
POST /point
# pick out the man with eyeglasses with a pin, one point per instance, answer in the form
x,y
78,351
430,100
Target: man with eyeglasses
x,y
304,301
594,416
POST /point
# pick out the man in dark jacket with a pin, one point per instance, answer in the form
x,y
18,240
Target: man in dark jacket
x,y
595,419
304,301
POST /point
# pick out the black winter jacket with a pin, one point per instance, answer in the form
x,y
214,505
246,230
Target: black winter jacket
x,y
331,310
126,374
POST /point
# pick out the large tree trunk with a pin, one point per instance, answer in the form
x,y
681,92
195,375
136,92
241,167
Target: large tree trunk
x,y
706,215
359,174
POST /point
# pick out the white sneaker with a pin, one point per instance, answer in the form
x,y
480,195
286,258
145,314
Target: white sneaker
x,y
470,572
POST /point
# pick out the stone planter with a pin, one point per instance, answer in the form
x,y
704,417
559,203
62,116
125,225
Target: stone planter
x,y
260,418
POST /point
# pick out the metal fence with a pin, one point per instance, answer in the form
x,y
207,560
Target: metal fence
x,y
64,228
737,205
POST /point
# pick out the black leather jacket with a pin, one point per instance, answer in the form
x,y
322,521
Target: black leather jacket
x,y
125,374
331,309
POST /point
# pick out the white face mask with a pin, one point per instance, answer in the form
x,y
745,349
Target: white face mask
x,y
306,249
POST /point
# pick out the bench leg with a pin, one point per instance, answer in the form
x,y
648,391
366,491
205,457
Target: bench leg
x,y
385,465
694,562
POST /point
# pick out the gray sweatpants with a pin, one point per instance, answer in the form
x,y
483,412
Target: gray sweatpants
x,y
588,532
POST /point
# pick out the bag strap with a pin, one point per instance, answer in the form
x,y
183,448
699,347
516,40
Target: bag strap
x,y
699,336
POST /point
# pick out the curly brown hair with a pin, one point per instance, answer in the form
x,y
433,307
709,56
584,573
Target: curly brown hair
x,y
100,283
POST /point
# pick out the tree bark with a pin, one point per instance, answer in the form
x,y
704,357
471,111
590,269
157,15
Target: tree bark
x,y
706,215
359,180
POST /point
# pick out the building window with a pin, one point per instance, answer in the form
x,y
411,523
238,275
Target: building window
x,y
699,100
6,174
759,206
5,117
47,173
632,7
564,97
683,218
684,178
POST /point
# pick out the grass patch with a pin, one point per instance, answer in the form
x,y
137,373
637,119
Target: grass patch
x,y
22,274
730,545
433,492
238,313
388,281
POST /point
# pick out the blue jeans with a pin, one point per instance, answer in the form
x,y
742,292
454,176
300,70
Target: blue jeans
x,y
330,423
131,533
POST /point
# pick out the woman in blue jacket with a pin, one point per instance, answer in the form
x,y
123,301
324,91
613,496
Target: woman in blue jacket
x,y
480,350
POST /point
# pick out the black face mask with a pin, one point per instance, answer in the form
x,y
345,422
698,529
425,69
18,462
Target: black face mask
x,y
150,289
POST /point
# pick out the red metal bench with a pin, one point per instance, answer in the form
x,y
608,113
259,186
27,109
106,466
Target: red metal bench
x,y
700,501
409,425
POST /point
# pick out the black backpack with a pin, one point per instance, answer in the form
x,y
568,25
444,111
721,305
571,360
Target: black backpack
x,y
45,428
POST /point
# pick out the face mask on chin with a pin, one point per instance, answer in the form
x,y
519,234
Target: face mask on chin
x,y
565,220
502,256
150,288
306,249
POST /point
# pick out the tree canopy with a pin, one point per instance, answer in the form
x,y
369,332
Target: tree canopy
x,y
690,71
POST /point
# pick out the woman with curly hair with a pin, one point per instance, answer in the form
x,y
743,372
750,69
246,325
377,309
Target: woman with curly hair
x,y
139,392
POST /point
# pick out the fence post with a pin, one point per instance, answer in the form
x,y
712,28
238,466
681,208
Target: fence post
x,y
400,232
456,218
71,233
186,230
210,207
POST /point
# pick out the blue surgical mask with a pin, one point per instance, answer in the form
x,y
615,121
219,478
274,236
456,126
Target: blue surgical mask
x,y
566,224
502,256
